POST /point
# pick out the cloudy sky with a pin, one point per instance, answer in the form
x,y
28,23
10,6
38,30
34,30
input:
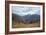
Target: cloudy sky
x,y
25,10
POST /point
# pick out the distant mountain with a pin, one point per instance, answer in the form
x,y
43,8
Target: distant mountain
x,y
31,16
27,18
15,15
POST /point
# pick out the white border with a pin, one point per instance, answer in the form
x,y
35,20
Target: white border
x,y
22,29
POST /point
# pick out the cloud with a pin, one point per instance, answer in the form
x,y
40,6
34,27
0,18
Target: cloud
x,y
25,10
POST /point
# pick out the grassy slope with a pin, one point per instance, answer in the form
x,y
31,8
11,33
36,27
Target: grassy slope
x,y
25,25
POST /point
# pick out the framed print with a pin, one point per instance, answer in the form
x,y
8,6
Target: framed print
x,y
24,17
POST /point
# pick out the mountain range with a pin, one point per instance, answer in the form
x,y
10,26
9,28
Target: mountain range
x,y
26,18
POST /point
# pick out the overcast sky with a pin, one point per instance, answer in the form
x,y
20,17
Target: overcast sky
x,y
25,10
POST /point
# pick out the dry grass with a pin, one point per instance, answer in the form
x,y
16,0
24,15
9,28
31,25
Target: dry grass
x,y
21,25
